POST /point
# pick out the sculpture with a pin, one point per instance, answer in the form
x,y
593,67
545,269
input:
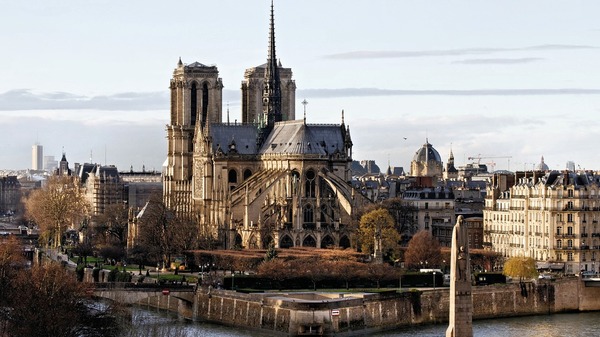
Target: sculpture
x,y
461,303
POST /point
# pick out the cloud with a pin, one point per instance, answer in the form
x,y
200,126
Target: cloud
x,y
364,92
365,54
500,60
26,99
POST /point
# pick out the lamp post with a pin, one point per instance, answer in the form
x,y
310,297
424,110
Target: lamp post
x,y
233,280
433,273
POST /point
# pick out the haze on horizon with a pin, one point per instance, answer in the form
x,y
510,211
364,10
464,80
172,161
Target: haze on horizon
x,y
492,79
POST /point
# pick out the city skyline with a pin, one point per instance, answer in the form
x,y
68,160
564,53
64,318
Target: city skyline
x,y
491,79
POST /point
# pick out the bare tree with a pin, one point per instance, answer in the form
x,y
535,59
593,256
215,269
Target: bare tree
x,y
111,225
57,206
162,234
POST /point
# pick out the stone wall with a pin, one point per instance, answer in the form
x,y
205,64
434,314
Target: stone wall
x,y
350,314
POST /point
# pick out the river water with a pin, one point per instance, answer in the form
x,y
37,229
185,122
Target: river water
x,y
150,324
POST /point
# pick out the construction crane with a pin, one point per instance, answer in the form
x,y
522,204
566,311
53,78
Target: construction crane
x,y
479,157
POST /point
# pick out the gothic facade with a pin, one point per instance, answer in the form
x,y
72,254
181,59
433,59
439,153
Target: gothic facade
x,y
270,179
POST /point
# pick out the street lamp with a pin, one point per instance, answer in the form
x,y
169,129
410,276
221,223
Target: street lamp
x,y
433,273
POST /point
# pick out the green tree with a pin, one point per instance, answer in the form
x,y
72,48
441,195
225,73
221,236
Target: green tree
x,y
521,267
57,206
423,250
378,224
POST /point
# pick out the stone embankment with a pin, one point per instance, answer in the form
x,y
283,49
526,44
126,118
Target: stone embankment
x,y
348,314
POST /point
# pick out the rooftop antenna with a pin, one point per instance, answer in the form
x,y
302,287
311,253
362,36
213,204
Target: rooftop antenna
x,y
342,116
104,154
91,161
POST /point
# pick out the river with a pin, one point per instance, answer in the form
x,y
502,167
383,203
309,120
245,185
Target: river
x,y
150,324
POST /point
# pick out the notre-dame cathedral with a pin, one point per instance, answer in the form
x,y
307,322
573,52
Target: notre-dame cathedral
x,y
269,179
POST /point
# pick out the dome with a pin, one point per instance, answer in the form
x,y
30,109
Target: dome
x,y
427,153
542,166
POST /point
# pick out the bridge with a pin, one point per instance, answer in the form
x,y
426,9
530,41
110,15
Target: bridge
x,y
146,293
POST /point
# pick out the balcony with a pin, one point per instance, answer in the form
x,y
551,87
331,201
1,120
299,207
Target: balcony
x,y
584,235
309,226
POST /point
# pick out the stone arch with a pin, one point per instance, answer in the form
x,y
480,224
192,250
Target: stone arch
x,y
344,242
247,174
309,241
238,241
232,176
286,242
253,242
327,241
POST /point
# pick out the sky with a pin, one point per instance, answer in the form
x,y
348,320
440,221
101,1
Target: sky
x,y
508,81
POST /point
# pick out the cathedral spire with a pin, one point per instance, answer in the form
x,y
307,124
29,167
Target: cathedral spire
x,y
272,91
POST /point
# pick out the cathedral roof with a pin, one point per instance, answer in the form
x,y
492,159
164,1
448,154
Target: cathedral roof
x,y
288,137
296,137
242,136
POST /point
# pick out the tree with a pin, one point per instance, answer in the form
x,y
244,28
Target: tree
x,y
381,271
57,206
346,270
404,217
521,267
276,269
111,225
11,259
312,268
47,300
162,234
423,250
378,224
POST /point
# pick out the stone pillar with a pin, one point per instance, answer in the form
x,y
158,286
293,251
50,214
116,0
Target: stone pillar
x,y
461,302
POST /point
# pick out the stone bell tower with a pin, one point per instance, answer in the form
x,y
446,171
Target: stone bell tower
x,y
196,101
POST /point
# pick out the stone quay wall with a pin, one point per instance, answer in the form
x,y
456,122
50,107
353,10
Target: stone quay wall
x,y
351,314
295,314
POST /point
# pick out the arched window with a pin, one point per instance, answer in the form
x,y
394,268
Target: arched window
x,y
308,213
309,241
247,174
204,104
327,241
309,191
238,241
344,242
232,176
193,104
286,242
252,244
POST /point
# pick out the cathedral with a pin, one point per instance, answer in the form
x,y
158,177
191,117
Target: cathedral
x,y
269,180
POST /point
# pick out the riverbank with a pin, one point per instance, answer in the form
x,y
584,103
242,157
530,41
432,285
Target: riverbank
x,y
350,314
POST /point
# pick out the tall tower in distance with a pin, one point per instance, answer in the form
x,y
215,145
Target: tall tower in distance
x,y
37,156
